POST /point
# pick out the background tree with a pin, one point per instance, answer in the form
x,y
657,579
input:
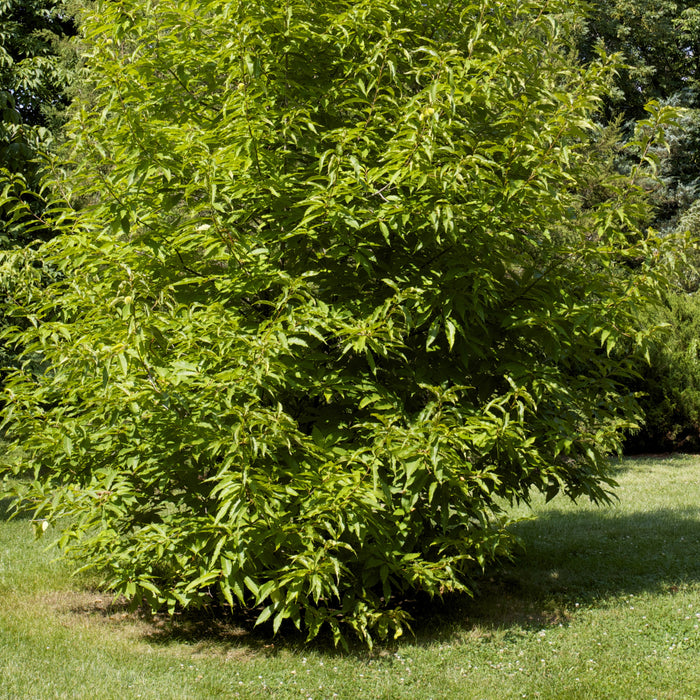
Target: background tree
x,y
37,68
334,291
660,43
672,381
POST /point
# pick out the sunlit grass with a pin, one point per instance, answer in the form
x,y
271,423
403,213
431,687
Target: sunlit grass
x,y
605,604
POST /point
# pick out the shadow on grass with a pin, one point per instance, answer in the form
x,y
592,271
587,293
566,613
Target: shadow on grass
x,y
7,510
204,631
593,555
571,558
576,559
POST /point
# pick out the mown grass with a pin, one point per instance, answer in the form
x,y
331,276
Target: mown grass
x,y
605,604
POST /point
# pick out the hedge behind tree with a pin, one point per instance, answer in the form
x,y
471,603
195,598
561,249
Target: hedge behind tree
x,y
334,293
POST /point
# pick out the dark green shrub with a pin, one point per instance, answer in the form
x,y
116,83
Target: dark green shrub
x,y
333,294
671,384
36,67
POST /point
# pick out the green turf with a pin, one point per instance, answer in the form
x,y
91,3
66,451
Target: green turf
x,y
604,604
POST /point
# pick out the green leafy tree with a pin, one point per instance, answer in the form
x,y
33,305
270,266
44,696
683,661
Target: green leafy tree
x,y
672,383
335,289
660,43
35,68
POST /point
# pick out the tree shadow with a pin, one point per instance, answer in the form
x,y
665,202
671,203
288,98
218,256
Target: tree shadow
x,y
597,554
570,559
7,510
573,559
205,631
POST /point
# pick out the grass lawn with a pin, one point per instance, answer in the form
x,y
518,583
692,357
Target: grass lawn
x,y
605,604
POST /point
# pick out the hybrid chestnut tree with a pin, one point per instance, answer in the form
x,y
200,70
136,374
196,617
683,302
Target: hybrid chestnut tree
x,y
333,289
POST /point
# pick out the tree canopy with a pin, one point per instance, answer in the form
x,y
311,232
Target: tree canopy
x,y
337,280
660,44
35,64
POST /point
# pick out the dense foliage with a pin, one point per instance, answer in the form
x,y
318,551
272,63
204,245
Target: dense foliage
x,y
672,381
336,279
35,69
36,66
660,44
